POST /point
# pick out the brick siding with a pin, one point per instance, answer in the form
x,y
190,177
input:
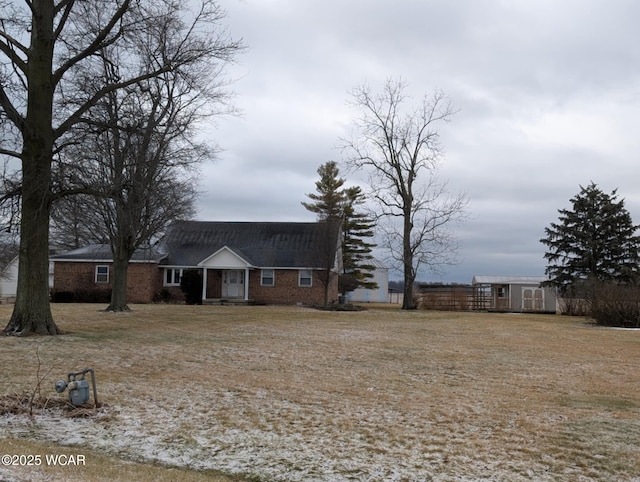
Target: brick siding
x,y
286,289
145,281
214,283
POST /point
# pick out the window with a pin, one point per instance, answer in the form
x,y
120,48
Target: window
x,y
172,276
267,277
304,277
102,274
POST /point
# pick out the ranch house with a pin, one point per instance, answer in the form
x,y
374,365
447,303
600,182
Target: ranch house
x,y
239,262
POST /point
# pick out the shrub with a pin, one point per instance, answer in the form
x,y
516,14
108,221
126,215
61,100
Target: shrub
x,y
191,286
163,296
82,296
92,295
616,305
572,306
63,297
340,307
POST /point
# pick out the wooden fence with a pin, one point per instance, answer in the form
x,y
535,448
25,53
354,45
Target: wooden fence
x,y
454,297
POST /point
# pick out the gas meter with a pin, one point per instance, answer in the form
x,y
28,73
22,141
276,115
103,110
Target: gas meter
x,y
78,387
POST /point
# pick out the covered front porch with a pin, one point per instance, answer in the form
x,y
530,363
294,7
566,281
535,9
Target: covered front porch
x,y
225,278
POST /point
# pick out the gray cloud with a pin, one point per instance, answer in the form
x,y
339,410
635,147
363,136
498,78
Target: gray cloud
x,y
548,96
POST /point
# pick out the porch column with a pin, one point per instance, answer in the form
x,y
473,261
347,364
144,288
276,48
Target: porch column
x,y
204,283
246,284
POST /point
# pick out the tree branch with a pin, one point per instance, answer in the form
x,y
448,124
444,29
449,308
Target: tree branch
x,y
97,43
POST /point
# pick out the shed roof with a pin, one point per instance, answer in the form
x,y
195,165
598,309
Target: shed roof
x,y
377,263
507,280
262,244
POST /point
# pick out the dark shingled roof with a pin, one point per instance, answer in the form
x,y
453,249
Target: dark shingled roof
x,y
102,252
261,244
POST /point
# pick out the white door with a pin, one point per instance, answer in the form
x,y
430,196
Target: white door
x,y
233,284
532,299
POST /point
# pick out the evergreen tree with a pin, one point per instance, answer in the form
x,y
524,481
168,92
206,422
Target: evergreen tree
x,y
356,251
333,204
593,241
329,201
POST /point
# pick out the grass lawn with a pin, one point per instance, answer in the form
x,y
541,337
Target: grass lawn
x,y
289,393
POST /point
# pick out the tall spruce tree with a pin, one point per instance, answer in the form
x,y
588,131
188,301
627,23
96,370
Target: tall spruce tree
x,y
593,241
357,227
333,204
330,198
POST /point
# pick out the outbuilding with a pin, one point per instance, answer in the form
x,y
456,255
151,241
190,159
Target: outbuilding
x,y
380,294
513,293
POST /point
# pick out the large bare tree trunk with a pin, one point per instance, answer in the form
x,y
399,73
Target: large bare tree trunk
x,y
119,283
407,260
32,313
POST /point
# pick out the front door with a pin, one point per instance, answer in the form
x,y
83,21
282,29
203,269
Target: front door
x,y
233,284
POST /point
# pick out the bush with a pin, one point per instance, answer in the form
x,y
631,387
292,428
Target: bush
x,y
572,306
191,286
616,305
92,295
82,296
163,296
63,297
340,307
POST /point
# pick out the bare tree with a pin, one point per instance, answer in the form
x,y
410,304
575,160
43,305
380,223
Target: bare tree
x,y
74,222
401,151
138,153
137,174
48,49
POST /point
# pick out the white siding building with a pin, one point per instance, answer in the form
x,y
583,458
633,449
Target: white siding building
x,y
378,295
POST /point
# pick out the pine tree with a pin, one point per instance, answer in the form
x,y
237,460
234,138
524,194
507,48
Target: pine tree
x,y
334,204
356,252
593,241
329,202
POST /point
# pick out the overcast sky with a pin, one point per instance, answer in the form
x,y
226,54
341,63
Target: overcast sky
x,y
547,92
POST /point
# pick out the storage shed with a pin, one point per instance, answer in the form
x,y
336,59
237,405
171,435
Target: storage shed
x,y
377,295
513,293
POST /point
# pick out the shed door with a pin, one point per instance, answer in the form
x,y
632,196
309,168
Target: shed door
x,y
532,299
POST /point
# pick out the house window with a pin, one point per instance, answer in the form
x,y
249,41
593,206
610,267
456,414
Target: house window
x,y
172,276
102,274
304,277
502,292
267,277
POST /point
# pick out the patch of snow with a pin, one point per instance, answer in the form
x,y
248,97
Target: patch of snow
x,y
274,439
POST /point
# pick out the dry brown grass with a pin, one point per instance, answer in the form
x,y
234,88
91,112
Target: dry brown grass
x,y
287,393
